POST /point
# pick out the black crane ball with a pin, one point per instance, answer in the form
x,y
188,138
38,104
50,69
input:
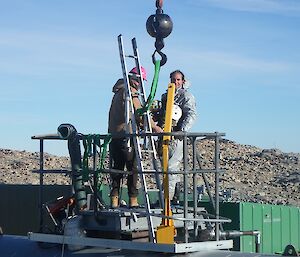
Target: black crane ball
x,y
159,25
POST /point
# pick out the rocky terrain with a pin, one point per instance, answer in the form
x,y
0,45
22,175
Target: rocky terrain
x,y
252,174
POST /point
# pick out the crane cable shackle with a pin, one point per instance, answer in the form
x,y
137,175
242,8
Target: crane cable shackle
x,y
159,4
159,26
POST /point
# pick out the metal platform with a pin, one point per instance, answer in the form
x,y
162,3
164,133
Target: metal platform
x,y
20,246
128,229
130,245
125,219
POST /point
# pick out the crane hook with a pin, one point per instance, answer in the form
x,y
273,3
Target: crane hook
x,y
159,26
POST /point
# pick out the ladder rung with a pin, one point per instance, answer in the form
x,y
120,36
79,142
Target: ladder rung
x,y
147,151
131,56
153,190
149,171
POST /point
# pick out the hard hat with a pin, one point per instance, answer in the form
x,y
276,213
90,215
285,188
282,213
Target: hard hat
x,y
176,113
143,70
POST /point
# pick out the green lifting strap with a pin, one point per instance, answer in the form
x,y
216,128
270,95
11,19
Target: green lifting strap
x,y
103,151
106,142
150,99
87,143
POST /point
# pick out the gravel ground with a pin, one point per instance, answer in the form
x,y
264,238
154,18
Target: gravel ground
x,y
252,174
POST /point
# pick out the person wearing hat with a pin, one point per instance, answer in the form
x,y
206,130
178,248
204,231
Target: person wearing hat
x,y
121,154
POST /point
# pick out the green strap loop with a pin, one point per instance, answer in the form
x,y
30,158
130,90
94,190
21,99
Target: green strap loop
x,y
103,150
151,96
103,147
87,143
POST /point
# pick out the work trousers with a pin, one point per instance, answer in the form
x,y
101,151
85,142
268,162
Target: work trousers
x,y
174,164
122,157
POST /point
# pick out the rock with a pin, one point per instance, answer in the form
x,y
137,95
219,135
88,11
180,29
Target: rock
x,y
252,174
16,168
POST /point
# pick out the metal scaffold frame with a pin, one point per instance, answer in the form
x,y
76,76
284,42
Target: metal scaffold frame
x,y
162,227
189,242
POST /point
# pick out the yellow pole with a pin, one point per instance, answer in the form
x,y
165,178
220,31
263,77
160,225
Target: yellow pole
x,y
166,231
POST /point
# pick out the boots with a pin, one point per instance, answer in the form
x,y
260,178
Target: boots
x,y
133,202
114,201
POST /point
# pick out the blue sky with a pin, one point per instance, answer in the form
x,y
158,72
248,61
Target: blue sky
x,y
59,60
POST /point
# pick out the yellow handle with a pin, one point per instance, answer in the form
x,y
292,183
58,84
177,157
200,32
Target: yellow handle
x,y
165,151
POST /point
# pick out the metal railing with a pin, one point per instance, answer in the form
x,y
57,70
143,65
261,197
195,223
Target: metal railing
x,y
195,170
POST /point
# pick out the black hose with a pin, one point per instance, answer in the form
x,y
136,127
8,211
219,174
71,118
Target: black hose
x,y
68,131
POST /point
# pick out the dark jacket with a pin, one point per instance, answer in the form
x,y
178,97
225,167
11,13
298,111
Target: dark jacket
x,y
116,121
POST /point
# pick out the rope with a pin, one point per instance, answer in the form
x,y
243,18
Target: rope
x,y
88,141
151,96
103,150
106,142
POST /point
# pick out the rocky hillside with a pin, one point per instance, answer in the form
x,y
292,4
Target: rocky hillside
x,y
257,175
17,167
252,174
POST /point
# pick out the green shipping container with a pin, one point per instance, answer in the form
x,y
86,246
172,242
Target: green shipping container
x,y
279,225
